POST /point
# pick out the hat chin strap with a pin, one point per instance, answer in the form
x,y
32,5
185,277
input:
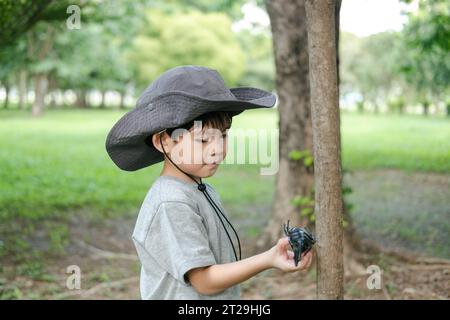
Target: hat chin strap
x,y
202,187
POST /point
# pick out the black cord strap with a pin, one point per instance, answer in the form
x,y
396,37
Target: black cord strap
x,y
223,215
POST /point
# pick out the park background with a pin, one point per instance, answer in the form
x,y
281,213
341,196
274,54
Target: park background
x,y
64,202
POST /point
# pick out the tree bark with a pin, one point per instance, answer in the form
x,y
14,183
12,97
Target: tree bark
x,y
122,100
6,101
102,103
81,101
294,178
40,90
22,85
37,49
426,107
321,25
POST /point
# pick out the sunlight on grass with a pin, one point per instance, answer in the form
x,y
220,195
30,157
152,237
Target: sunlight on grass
x,y
59,161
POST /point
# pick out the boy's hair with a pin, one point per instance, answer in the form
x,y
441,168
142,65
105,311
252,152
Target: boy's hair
x,y
218,120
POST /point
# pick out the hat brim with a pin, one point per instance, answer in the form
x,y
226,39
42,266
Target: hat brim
x,y
125,142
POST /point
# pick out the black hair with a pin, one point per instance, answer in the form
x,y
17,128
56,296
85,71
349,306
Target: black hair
x,y
218,120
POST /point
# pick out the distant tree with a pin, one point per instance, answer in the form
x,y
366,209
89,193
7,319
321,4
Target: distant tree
x,y
16,17
260,67
371,67
426,65
164,43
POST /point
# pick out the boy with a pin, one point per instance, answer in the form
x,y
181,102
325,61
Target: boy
x,y
182,235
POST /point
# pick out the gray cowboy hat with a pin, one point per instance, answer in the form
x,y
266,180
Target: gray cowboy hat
x,y
177,96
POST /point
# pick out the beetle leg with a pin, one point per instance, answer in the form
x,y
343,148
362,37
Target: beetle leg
x,y
297,256
309,237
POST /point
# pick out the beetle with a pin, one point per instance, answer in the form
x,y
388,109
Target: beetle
x,y
300,239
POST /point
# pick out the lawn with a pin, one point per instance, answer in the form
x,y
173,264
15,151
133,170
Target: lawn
x,y
57,166
59,162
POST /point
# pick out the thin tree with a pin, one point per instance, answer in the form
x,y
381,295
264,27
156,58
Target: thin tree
x,y
321,26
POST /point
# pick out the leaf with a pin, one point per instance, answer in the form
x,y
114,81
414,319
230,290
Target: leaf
x,y
296,155
308,161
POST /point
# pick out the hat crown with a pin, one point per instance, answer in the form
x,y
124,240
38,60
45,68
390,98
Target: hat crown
x,y
194,80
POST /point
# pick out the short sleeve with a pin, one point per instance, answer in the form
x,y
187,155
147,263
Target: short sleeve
x,y
177,239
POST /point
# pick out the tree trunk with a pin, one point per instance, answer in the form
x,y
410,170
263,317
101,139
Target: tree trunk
x,y
294,178
426,107
81,101
102,103
122,100
39,49
22,85
40,90
6,101
321,26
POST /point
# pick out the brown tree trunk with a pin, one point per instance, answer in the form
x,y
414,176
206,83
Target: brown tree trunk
x,y
39,49
22,85
6,101
294,178
102,103
81,101
40,90
122,100
321,26
426,107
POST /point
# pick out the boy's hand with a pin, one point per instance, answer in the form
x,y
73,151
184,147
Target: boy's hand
x,y
283,259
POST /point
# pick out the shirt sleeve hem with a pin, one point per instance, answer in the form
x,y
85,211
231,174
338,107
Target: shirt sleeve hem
x,y
191,264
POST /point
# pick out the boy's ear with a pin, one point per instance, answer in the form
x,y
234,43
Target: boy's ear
x,y
157,143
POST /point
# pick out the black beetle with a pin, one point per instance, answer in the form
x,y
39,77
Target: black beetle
x,y
300,239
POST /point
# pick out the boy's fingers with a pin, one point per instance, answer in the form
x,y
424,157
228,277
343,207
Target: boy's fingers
x,y
306,261
283,244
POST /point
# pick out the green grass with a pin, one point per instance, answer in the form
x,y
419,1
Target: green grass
x,y
408,142
58,162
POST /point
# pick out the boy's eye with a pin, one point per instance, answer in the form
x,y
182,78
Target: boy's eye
x,y
206,140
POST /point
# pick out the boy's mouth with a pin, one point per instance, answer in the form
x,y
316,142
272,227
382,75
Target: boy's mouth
x,y
212,165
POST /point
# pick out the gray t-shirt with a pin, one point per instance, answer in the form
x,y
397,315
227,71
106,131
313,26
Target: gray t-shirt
x,y
177,230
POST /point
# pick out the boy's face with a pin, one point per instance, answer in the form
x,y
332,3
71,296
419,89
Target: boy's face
x,y
197,151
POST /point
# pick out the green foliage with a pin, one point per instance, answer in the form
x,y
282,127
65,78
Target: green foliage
x,y
412,63
367,69
59,236
164,43
426,37
306,206
260,68
230,7
10,292
306,155
397,104
10,11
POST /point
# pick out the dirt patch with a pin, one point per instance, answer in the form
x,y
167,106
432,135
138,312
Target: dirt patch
x,y
110,270
401,210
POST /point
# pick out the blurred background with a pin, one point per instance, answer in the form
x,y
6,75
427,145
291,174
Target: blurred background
x,y
70,70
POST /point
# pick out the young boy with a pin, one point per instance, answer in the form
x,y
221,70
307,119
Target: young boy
x,y
183,237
